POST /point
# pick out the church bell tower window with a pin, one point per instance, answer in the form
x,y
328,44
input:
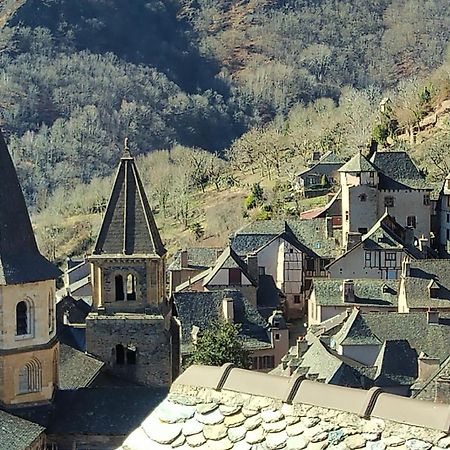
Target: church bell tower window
x,y
131,287
22,319
119,288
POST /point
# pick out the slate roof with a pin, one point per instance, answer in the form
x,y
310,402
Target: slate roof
x,y
198,258
309,234
128,226
399,170
17,433
356,331
103,411
229,408
76,368
432,339
380,293
329,163
416,285
358,163
202,308
396,364
20,260
229,259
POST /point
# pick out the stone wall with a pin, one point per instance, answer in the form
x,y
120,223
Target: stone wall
x,y
146,333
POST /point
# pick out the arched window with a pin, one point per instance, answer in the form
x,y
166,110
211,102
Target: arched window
x,y
119,288
120,354
30,377
131,354
22,318
131,287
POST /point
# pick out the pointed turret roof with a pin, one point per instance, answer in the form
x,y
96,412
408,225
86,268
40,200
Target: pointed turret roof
x,y
20,260
359,163
128,227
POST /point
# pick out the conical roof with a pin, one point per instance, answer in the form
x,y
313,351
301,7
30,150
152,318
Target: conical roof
x,y
128,227
20,260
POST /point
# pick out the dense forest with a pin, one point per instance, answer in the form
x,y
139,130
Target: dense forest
x,y
206,88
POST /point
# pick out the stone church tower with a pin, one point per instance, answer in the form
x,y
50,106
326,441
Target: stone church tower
x,y
131,326
28,344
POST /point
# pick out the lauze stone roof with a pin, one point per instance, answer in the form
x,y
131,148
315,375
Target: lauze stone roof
x,y
227,408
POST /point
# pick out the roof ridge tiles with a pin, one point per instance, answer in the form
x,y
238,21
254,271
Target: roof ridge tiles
x,y
295,390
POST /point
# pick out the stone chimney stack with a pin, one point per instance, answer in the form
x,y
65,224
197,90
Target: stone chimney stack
x,y
252,267
442,390
426,366
409,236
348,291
228,309
329,227
184,259
423,244
406,267
302,346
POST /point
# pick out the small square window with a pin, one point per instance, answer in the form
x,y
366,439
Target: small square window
x,y
368,256
277,336
390,256
297,299
389,201
426,199
411,221
363,197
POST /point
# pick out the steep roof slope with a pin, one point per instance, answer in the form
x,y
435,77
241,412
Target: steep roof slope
x,y
20,260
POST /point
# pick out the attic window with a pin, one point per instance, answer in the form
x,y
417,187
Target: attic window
x,y
235,276
363,197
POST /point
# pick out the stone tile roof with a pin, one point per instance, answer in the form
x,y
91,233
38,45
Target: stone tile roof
x,y
416,284
308,234
76,369
201,308
398,167
396,364
356,331
17,433
227,408
329,163
198,258
432,339
103,411
128,227
358,163
380,293
20,260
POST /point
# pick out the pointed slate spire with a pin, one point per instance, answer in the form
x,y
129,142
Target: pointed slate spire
x,y
20,260
128,227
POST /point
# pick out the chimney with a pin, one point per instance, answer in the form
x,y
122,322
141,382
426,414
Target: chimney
x,y
329,227
252,266
432,316
409,236
423,244
426,366
353,239
228,309
348,291
66,318
406,267
184,259
195,332
302,346
442,390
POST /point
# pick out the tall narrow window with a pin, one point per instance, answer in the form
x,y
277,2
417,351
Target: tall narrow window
x,y
51,314
119,288
131,287
30,377
22,325
120,354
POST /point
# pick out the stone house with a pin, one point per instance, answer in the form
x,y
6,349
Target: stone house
x,y
425,286
190,262
291,252
252,410
322,174
331,297
379,253
265,340
388,182
394,351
